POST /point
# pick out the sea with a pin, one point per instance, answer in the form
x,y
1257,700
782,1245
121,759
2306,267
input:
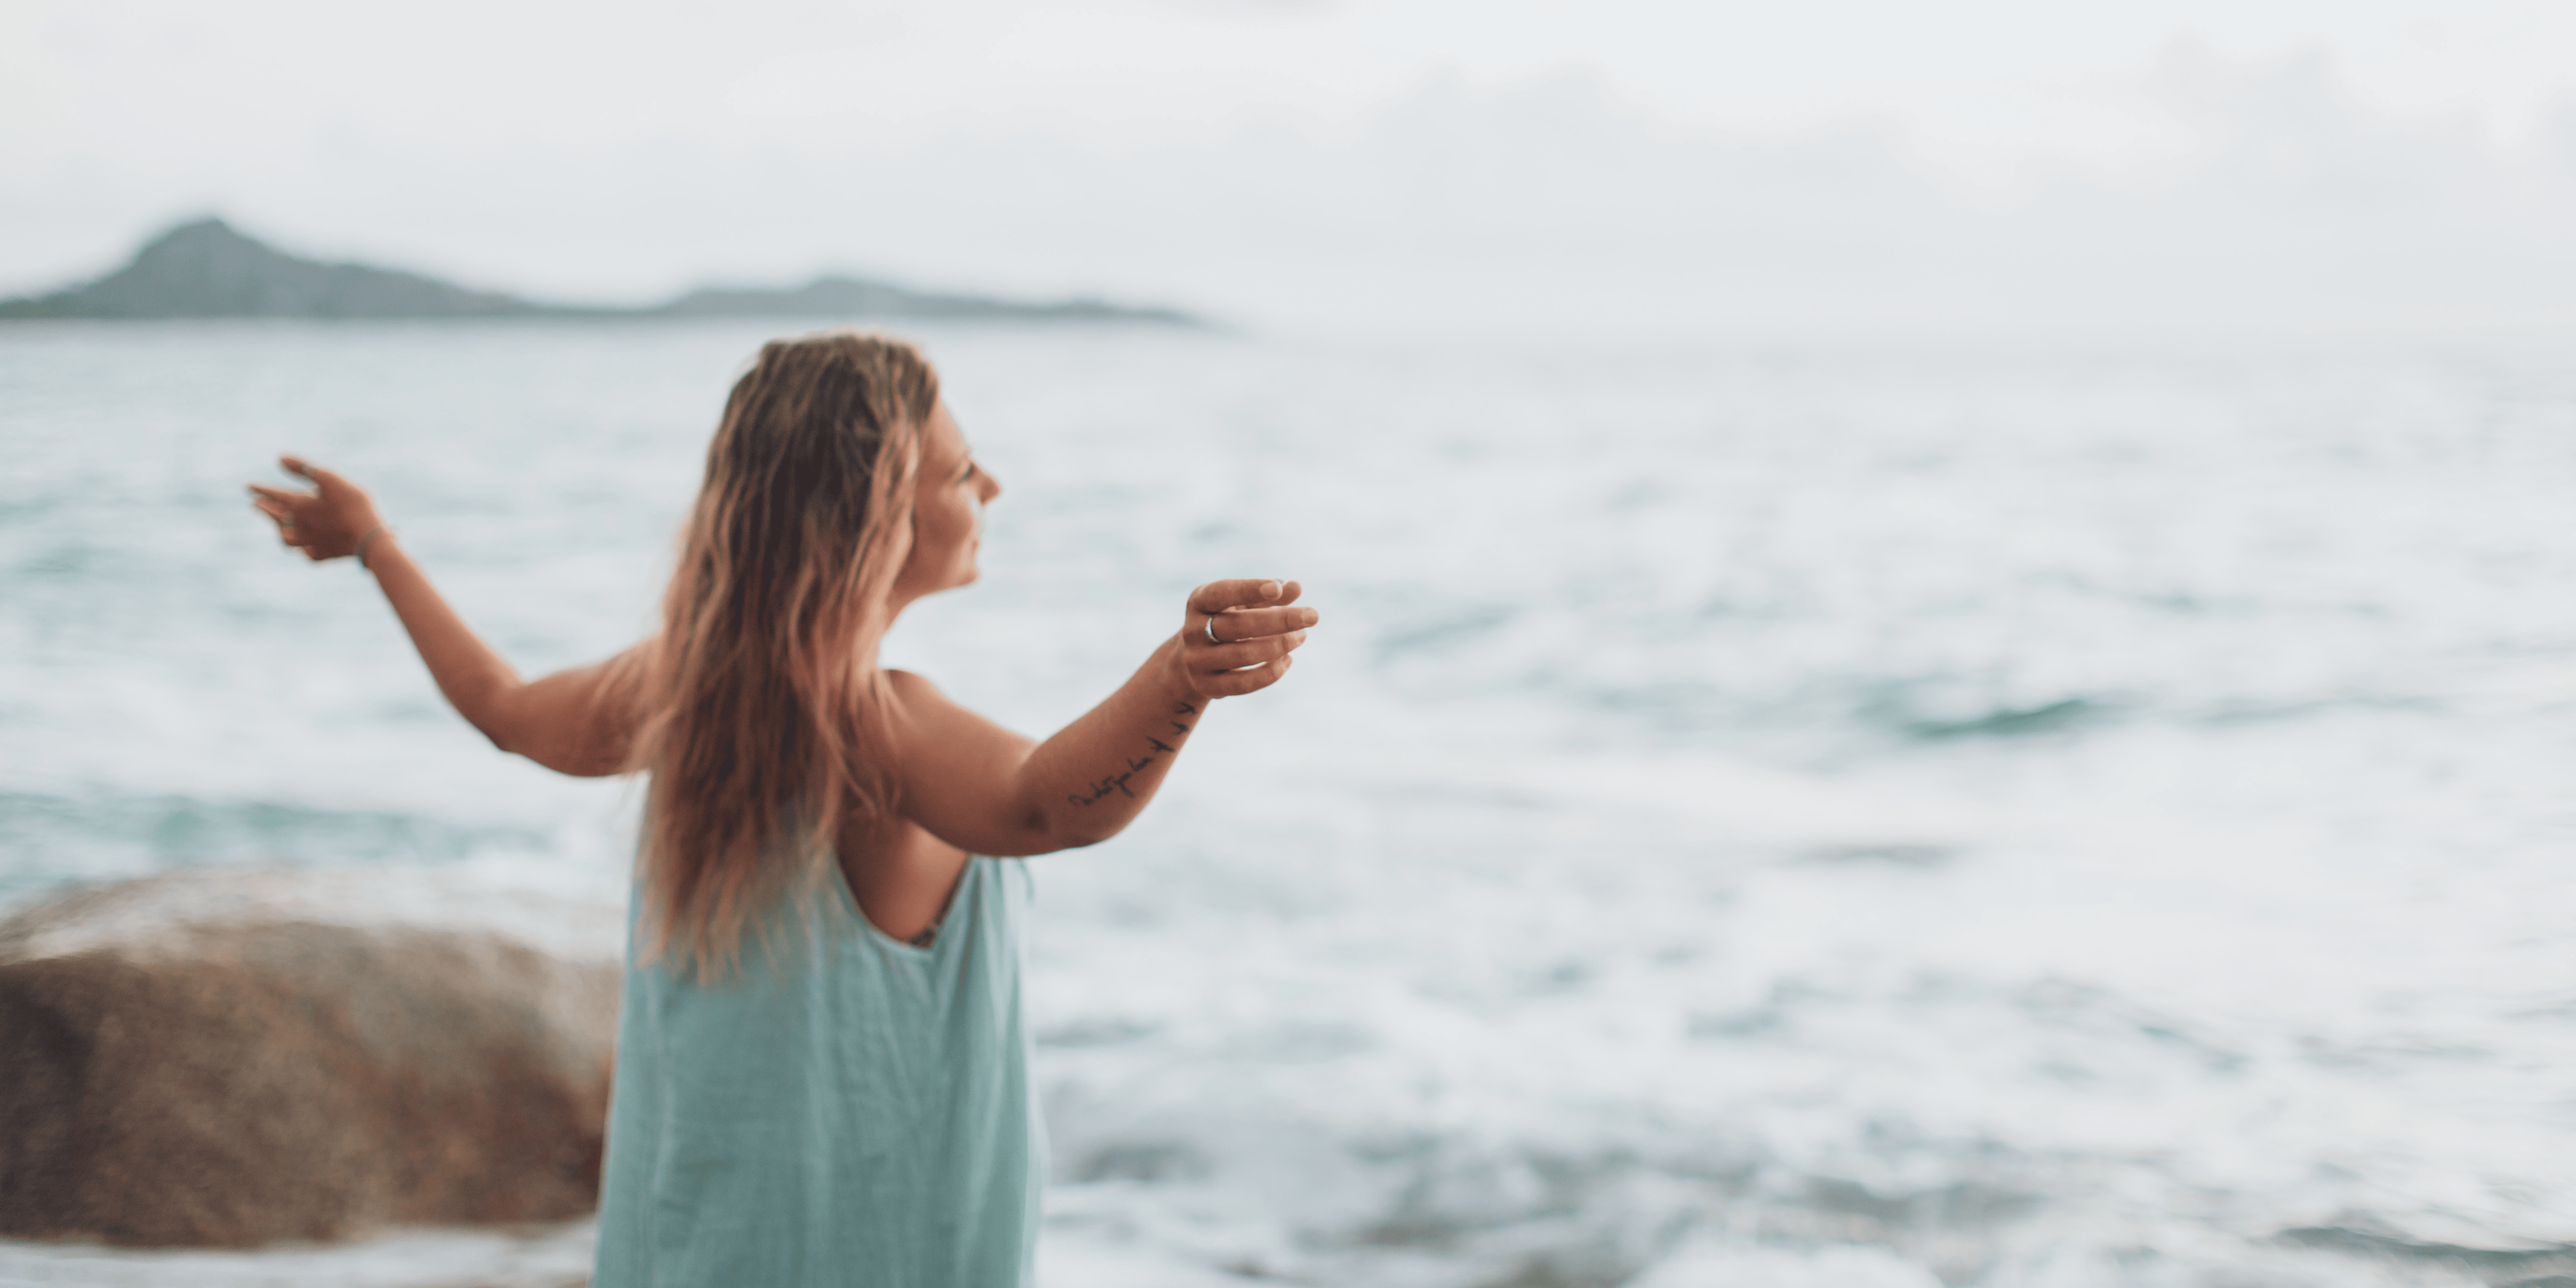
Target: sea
x,y
1809,813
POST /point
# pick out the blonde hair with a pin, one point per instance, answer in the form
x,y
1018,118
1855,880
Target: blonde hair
x,y
761,710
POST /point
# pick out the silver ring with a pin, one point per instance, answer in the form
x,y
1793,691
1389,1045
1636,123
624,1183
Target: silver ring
x,y
1211,630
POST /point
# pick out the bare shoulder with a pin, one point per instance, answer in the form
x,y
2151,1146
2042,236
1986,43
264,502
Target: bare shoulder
x,y
924,714
913,693
919,706
909,682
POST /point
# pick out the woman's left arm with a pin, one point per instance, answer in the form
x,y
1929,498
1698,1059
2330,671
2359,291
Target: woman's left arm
x,y
570,722
986,790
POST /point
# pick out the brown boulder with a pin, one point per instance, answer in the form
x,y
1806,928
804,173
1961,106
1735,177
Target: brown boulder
x,y
232,1057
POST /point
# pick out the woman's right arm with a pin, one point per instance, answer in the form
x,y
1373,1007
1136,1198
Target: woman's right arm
x,y
574,722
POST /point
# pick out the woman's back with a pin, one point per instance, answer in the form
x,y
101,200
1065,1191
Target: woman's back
x,y
845,1109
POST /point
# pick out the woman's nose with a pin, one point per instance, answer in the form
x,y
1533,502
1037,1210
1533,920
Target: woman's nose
x,y
992,486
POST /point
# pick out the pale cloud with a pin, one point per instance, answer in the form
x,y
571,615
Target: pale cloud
x,y
158,81
1417,163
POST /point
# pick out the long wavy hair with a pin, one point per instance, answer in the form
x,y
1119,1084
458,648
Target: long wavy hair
x,y
761,710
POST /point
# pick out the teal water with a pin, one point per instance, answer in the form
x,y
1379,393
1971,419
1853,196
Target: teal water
x,y
1877,814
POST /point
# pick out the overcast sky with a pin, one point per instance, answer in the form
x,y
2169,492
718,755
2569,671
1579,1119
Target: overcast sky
x,y
1411,163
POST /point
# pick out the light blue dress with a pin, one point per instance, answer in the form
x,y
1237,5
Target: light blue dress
x,y
846,1110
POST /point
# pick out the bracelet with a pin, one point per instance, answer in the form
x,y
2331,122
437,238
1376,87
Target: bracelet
x,y
372,533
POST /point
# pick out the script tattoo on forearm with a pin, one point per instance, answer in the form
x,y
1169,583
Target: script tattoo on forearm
x,y
1099,789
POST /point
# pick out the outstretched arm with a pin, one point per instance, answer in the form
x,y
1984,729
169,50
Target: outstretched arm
x,y
571,721
984,789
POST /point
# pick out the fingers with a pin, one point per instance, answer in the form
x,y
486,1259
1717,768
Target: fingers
x,y
1240,592
281,514
283,508
1246,608
1253,623
1217,658
1234,684
282,504
325,482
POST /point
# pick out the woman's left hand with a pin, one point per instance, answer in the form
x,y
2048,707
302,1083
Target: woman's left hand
x,y
325,523
1239,635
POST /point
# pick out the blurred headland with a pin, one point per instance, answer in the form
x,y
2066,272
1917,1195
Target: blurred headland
x,y
207,269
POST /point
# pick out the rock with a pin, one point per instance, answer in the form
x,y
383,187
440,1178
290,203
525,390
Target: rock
x,y
226,1058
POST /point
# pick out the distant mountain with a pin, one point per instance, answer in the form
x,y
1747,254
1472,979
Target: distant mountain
x,y
207,270
858,297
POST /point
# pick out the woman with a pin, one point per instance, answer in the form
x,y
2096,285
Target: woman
x,y
822,1067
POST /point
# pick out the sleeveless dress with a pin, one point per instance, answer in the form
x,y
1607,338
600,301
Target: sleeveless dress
x,y
847,1109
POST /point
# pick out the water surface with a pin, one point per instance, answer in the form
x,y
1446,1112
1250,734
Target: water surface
x,y
1805,815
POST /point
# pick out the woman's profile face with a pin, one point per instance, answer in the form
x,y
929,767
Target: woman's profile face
x,y
948,502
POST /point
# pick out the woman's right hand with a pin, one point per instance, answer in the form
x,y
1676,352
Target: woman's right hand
x,y
1237,635
325,523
